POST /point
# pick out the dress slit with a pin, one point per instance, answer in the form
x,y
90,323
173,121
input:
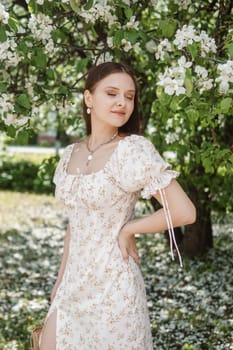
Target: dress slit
x,y
50,331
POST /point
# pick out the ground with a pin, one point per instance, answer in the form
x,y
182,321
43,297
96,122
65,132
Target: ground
x,y
190,308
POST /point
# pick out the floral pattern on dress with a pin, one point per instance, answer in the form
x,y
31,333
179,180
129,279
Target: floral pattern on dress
x,y
101,301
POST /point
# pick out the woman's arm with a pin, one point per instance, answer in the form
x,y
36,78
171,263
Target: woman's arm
x,y
63,262
182,213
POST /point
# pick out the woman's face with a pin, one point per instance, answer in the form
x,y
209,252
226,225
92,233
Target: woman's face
x,y
112,101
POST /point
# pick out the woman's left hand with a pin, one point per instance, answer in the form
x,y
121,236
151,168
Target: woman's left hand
x,y
127,245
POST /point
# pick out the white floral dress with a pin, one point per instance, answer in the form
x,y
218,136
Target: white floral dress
x,y
101,301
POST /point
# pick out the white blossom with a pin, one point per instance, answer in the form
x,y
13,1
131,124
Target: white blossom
x,y
225,76
183,4
6,47
207,44
127,2
163,47
185,36
8,53
21,30
127,45
206,85
171,137
41,2
110,41
12,119
203,82
99,11
151,46
132,23
183,63
50,48
201,71
29,84
104,57
172,80
13,60
4,15
137,47
171,85
188,34
6,104
40,26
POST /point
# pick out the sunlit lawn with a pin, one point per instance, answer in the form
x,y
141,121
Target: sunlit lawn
x,y
190,309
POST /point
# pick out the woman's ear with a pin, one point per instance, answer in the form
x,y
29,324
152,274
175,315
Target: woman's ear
x,y
88,98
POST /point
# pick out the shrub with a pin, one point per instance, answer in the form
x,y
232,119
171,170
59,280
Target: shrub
x,y
26,176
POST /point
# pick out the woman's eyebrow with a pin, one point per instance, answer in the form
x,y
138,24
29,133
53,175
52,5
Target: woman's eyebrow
x,y
115,88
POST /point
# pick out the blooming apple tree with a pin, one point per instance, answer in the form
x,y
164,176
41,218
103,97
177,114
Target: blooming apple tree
x,y
182,52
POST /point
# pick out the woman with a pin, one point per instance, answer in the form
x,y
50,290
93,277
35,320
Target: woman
x,y
99,301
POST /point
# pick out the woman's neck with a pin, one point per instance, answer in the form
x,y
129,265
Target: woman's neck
x,y
101,135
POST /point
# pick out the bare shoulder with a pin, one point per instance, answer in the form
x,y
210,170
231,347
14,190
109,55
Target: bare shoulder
x,y
80,144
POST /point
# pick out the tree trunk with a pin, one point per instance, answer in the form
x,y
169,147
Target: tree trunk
x,y
198,237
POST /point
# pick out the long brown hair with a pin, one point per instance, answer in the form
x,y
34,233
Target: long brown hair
x,y
96,74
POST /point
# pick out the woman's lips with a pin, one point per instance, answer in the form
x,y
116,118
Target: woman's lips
x,y
121,113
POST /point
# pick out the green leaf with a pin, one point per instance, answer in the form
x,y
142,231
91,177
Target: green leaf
x,y
128,12
11,131
63,90
159,91
168,27
192,114
75,5
208,165
32,6
3,36
188,86
188,83
58,34
88,5
164,99
50,73
3,87
23,47
225,105
132,36
143,35
23,101
175,103
193,50
230,50
12,22
118,36
22,137
39,59
82,65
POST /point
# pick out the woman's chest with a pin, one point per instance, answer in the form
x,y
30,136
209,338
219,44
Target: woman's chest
x,y
96,190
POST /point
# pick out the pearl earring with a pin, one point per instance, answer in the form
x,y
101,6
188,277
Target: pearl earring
x,y
88,111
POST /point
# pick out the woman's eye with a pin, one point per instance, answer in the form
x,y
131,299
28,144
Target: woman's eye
x,y
111,94
130,98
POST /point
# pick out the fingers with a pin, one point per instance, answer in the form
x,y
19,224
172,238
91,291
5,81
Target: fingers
x,y
125,254
134,255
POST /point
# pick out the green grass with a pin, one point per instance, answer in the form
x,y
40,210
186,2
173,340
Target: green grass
x,y
190,309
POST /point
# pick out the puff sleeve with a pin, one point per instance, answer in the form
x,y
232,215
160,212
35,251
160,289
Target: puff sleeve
x,y
141,168
60,179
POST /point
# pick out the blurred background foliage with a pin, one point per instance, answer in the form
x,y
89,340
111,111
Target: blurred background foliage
x,y
182,54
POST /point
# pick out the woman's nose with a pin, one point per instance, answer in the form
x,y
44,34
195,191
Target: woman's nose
x,y
121,101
